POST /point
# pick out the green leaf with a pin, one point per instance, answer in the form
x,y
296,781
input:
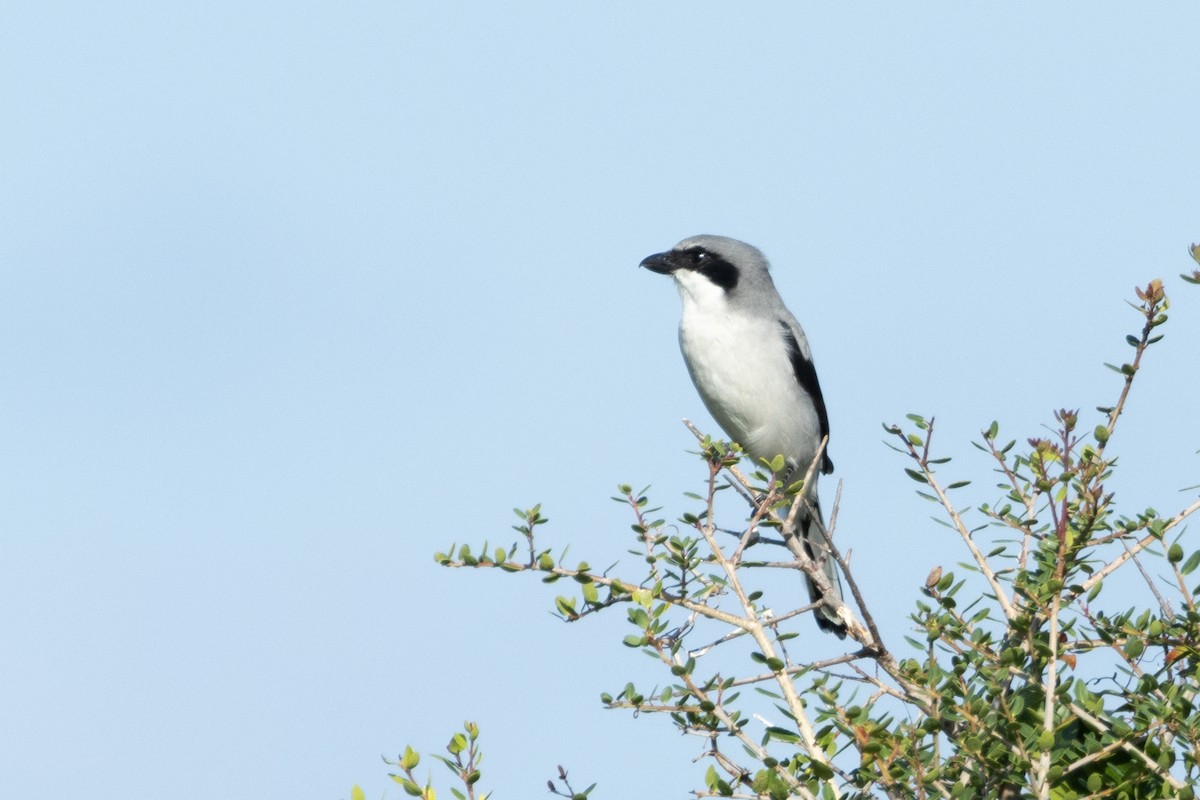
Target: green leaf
x,y
782,735
916,476
410,788
410,759
590,594
1190,565
565,606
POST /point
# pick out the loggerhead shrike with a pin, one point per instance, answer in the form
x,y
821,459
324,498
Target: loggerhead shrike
x,y
750,362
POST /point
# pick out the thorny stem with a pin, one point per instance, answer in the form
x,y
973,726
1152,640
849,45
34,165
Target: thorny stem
x,y
647,538
981,561
1163,605
1043,782
756,629
871,638
1137,547
1184,592
1153,301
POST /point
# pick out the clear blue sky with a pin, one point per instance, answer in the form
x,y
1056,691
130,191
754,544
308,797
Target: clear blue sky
x,y
292,295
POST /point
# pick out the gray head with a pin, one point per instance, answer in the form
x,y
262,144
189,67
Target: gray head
x,y
716,269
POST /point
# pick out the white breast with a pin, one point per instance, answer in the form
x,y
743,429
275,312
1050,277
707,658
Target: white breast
x,y
742,370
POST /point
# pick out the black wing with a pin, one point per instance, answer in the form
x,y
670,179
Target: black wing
x,y
806,376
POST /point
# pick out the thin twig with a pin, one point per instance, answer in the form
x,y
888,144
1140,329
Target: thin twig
x,y
1162,602
1006,606
1141,544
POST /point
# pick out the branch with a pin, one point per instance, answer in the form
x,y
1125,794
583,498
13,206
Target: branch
x,y
1141,545
923,462
757,630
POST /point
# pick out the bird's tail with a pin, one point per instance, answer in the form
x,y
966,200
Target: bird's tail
x,y
812,534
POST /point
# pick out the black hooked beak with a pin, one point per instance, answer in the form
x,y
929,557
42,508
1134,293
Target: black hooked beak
x,y
662,263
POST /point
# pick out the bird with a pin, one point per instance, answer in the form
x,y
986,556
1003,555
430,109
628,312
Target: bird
x,y
751,364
